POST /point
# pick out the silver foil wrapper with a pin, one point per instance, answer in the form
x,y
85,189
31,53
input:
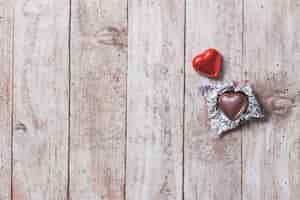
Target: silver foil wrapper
x,y
217,119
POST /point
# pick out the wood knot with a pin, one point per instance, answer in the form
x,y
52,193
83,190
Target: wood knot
x,y
280,105
113,36
3,19
21,127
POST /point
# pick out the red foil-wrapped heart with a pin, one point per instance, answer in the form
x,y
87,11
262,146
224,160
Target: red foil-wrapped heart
x,y
208,63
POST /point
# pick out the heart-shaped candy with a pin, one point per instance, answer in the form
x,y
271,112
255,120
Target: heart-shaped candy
x,y
233,104
208,63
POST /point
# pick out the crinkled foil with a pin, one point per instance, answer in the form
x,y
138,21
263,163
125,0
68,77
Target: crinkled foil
x,y
218,120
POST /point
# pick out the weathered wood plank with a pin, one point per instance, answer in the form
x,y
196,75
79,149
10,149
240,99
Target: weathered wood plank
x,y
40,140
155,100
271,150
212,166
6,66
98,99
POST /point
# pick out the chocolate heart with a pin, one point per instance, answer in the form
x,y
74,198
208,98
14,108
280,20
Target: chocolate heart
x,y
233,104
208,63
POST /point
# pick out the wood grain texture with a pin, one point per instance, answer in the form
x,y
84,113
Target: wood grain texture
x,y
155,100
40,140
212,166
98,99
169,153
6,66
271,150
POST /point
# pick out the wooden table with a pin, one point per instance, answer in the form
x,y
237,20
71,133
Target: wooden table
x,y
98,100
